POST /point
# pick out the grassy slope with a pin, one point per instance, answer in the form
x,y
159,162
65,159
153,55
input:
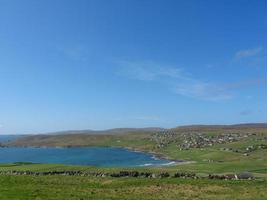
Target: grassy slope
x,y
76,187
135,140
208,159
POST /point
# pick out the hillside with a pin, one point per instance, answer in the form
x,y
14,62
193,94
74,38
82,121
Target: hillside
x,y
114,137
219,149
129,136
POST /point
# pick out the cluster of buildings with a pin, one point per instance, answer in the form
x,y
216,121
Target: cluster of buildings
x,y
247,149
189,140
200,140
252,148
164,138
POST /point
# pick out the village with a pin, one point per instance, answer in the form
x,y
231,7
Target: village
x,y
190,140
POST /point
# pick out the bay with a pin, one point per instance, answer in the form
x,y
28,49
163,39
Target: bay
x,y
91,156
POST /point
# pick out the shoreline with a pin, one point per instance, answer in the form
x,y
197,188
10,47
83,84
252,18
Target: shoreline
x,y
161,157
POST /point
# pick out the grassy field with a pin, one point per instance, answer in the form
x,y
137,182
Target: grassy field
x,y
59,187
76,187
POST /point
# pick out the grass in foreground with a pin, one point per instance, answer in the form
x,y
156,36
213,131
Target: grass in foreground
x,y
75,187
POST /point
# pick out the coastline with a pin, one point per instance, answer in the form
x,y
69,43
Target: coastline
x,y
161,157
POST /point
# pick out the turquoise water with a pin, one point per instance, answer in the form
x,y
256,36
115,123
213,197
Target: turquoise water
x,y
93,156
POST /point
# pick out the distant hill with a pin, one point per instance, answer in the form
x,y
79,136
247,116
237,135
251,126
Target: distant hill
x,y
111,137
232,126
125,137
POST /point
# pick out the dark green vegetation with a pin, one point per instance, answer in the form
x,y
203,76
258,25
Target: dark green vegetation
x,y
212,150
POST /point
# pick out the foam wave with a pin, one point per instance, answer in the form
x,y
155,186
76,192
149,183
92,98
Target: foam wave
x,y
169,163
163,164
145,165
155,158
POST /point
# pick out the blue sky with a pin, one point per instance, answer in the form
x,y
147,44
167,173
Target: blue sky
x,y
98,64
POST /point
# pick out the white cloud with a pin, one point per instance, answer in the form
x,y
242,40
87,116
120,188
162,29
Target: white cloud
x,y
182,83
175,79
205,91
248,53
147,71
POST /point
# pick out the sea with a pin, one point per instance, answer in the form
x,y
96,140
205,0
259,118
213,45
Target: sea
x,y
88,156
